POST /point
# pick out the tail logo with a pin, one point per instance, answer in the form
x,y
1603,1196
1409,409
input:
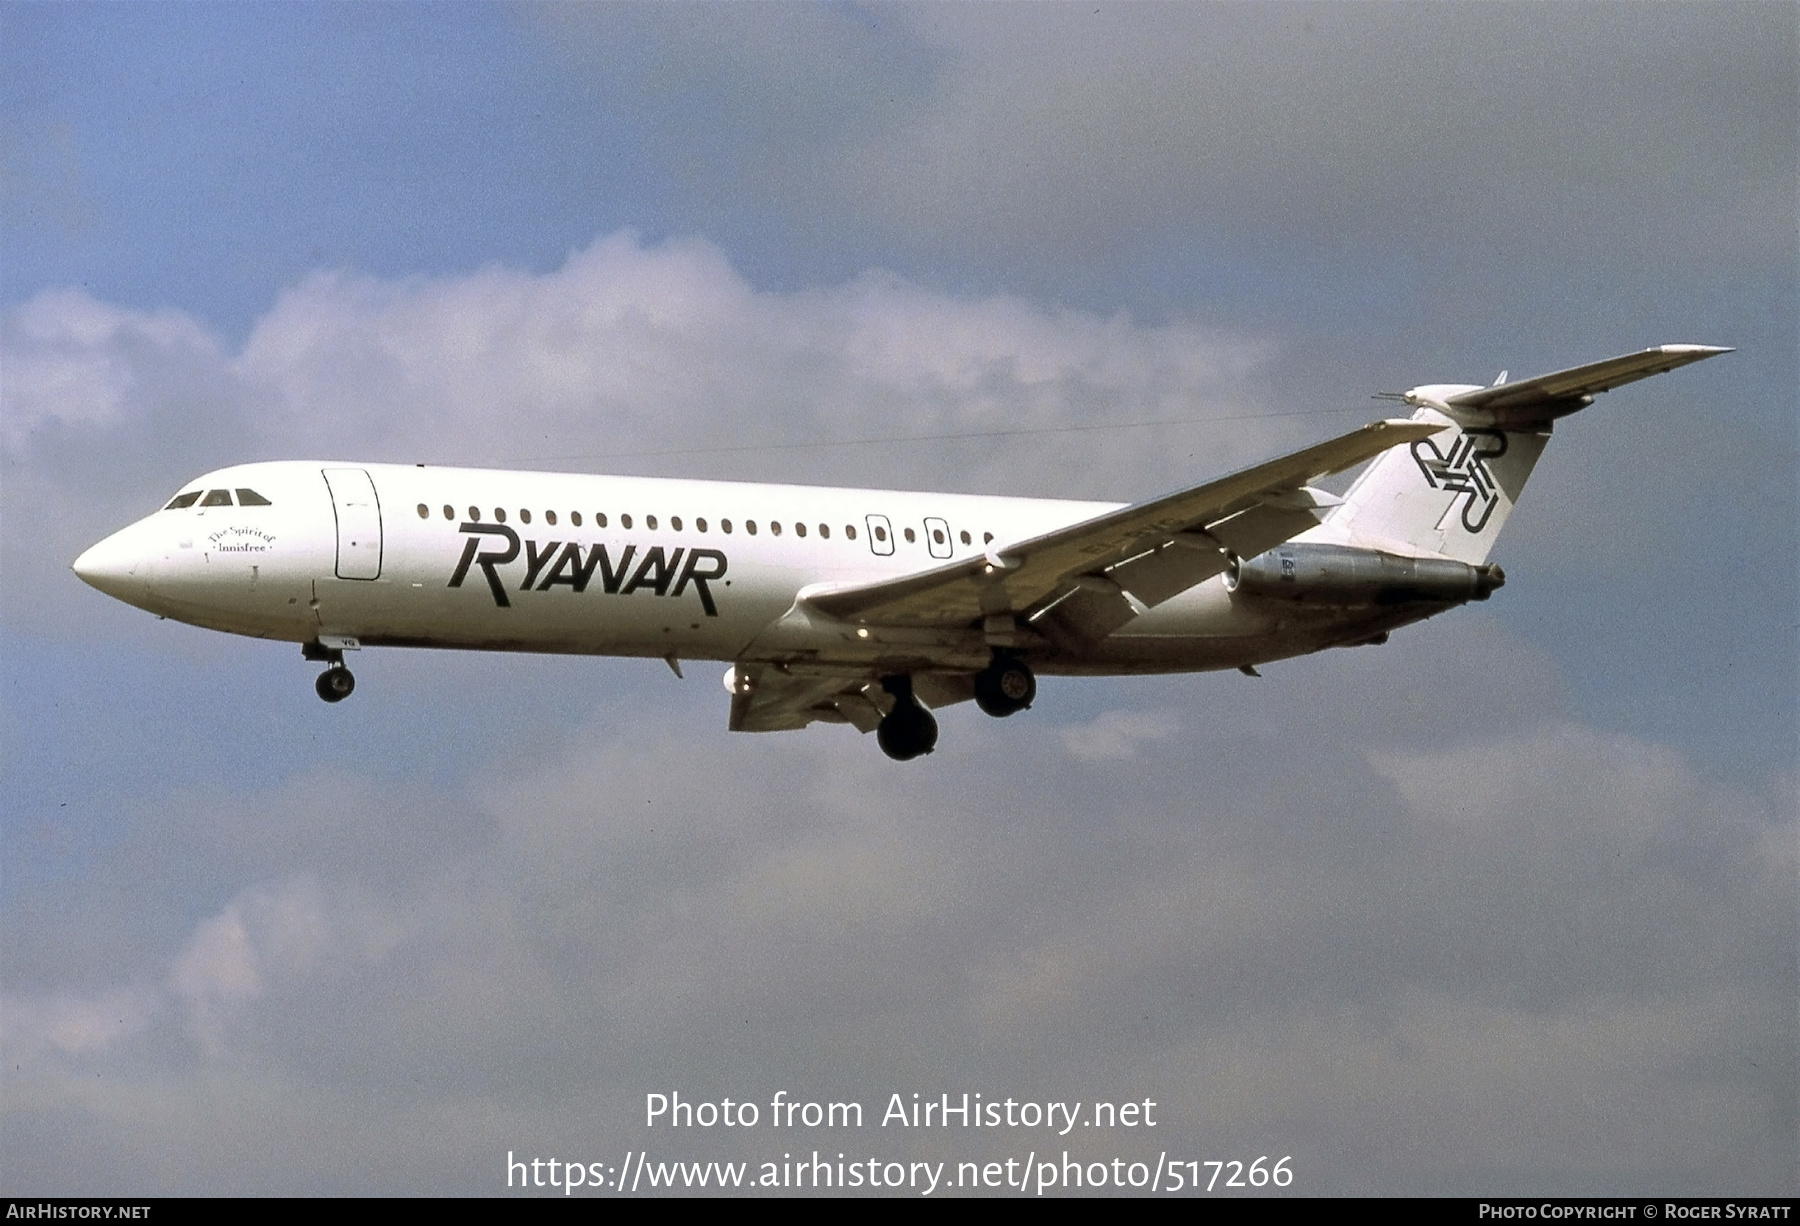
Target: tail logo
x,y
1465,471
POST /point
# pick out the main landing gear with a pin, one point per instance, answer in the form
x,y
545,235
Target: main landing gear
x,y
336,683
909,730
1005,686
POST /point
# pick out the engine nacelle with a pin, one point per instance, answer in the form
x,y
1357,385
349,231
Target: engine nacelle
x,y
1339,575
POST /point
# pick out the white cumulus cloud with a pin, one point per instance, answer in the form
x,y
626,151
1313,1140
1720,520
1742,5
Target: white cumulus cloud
x,y
1118,735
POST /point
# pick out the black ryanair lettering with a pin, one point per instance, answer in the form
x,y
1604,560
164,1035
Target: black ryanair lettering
x,y
656,569
610,578
462,566
664,567
701,578
487,559
569,570
535,561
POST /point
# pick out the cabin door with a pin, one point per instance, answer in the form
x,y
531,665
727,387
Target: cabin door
x,y
358,523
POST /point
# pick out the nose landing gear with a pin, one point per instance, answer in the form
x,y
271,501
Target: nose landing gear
x,y
909,730
1005,686
336,683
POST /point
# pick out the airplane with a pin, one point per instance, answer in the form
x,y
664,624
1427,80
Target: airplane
x,y
863,607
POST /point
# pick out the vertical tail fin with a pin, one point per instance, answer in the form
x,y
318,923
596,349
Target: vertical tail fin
x,y
1448,494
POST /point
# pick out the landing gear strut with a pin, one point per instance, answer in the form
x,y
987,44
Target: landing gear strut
x,y
336,683
1005,686
909,730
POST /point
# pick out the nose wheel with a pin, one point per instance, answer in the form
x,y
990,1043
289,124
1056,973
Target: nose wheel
x,y
335,684
909,730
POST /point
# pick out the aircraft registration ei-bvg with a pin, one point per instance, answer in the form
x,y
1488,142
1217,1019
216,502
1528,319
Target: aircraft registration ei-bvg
x,y
864,607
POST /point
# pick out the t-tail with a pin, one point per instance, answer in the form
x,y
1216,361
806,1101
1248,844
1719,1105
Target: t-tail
x,y
1449,495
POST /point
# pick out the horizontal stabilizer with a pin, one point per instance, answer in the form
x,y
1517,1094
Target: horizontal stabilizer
x,y
1534,402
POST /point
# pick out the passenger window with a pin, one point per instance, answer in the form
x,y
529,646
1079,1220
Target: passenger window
x,y
600,519
250,498
725,526
700,523
750,526
424,511
775,528
650,522
182,502
937,536
987,538
675,522
550,518
850,531
575,518
216,498
910,538
825,531
625,521
500,514
965,537
449,511
799,529
881,534
475,514
524,517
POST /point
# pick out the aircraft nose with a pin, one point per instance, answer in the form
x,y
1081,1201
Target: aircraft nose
x,y
113,566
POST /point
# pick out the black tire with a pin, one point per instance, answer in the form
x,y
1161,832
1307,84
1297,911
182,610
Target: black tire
x,y
335,684
909,731
1005,687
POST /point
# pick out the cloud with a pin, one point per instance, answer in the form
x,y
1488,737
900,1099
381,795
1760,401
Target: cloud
x,y
72,1023
629,348
269,938
1087,135
1415,948
71,362
1117,735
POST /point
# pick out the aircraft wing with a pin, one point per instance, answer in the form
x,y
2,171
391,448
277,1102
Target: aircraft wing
x,y
1103,571
1534,401
778,697
768,698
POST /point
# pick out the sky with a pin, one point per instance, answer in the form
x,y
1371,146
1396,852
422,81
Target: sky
x,y
1506,906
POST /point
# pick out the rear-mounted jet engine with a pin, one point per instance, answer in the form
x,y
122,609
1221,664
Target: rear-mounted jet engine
x,y
1342,577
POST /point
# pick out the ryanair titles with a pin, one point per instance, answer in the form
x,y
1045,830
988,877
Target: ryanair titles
x,y
554,564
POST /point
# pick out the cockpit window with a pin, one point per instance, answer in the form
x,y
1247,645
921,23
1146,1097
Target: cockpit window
x,y
183,501
250,498
216,498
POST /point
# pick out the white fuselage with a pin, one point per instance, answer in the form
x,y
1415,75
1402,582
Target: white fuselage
x,y
482,559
